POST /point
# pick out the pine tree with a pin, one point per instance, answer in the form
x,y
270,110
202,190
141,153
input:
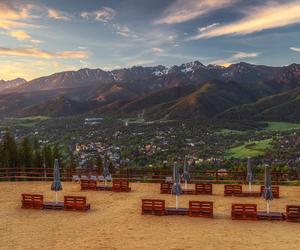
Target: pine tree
x,y
10,151
48,156
55,153
27,153
38,160
99,163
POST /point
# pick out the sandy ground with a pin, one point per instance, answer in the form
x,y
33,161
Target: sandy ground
x,y
115,222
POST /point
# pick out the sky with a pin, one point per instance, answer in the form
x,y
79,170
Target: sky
x,y
41,37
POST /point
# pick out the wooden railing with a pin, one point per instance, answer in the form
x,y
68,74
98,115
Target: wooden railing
x,y
146,175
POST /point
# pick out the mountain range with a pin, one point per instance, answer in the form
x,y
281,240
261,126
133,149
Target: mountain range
x,y
241,91
5,85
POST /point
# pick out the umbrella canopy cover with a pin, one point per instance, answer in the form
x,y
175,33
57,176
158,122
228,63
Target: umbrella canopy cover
x,y
186,171
176,188
267,194
56,184
249,171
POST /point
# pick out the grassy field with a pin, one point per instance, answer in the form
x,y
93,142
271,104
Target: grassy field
x,y
251,149
24,122
226,131
282,126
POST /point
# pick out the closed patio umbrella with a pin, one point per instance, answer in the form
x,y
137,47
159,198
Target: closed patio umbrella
x,y
56,184
106,173
176,188
268,194
186,173
249,178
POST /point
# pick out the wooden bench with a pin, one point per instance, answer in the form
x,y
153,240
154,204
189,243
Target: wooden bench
x,y
88,185
155,207
233,190
120,186
275,191
293,213
201,209
32,201
165,187
203,188
244,212
76,203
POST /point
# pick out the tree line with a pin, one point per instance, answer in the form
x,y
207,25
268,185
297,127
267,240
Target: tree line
x,y
25,154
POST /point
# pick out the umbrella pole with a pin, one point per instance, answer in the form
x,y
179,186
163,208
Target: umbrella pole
x,y
105,182
250,186
268,207
56,197
176,201
185,184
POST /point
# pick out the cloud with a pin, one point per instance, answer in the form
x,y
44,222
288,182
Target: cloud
x,y
36,41
295,49
235,58
58,15
20,35
12,10
242,55
124,31
103,15
208,27
257,19
107,15
15,14
38,53
183,10
158,50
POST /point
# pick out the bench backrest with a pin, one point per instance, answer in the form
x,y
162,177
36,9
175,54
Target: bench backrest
x,y
275,189
153,204
166,185
244,208
88,184
32,198
203,187
92,183
120,183
233,189
201,205
75,200
293,210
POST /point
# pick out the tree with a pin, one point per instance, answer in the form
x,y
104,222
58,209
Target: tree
x,y
71,163
99,163
10,150
48,156
56,154
26,153
38,160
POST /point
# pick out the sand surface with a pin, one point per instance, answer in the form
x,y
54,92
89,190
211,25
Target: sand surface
x,y
115,222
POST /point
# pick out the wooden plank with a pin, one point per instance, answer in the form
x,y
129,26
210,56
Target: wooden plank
x,y
270,216
176,211
54,206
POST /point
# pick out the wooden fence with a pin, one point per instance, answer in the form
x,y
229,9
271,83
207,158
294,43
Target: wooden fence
x,y
145,175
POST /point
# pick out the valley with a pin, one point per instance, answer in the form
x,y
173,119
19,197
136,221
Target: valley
x,y
152,115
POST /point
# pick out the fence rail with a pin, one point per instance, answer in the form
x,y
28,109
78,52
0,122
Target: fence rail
x,y
145,175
